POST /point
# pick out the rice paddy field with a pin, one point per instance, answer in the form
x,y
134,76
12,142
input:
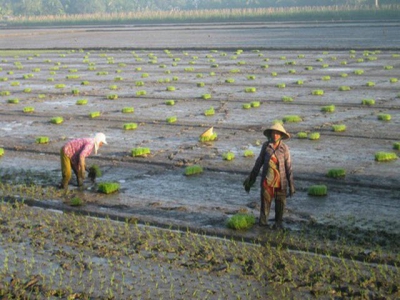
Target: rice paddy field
x,y
164,234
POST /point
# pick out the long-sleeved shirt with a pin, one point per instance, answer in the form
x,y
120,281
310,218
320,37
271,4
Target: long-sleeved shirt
x,y
78,149
282,153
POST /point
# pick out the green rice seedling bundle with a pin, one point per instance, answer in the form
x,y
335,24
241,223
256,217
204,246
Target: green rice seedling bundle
x,y
265,66
359,72
343,63
201,84
139,83
385,156
206,96
56,120
248,153
128,110
384,117
145,75
3,79
85,82
113,87
241,221
360,60
230,80
13,101
170,102
319,60
370,83
228,156
119,78
336,173
339,128
211,138
318,190
344,75
299,82
251,77
60,86
274,74
317,92
199,75
189,69
162,66
250,90
112,96
140,152
5,93
328,108
246,105
212,74
73,70
172,119
241,63
234,71
255,104
167,72
28,109
372,58
314,136
368,102
388,67
76,201
130,126
396,146
301,56
309,68
36,70
94,114
324,66
290,63
27,76
75,92
72,76
344,88
287,99
302,135
281,85
15,83
51,80
292,119
394,80
326,78
214,66
41,96
27,90
81,102
141,93
1,151
292,71
171,88
175,78
42,140
209,112
108,187
193,170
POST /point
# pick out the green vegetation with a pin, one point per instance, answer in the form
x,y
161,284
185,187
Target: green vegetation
x,y
318,190
336,173
248,153
368,102
1,152
130,126
193,170
206,96
370,83
94,114
228,156
211,138
76,201
250,90
396,146
317,92
170,102
384,117
28,109
393,80
172,119
302,135
385,156
81,102
314,136
255,104
241,221
344,88
287,99
339,127
112,96
328,108
128,110
209,112
246,105
140,152
13,101
56,120
108,187
292,119
42,140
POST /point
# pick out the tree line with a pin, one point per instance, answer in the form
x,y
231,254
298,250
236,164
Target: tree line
x,y
72,7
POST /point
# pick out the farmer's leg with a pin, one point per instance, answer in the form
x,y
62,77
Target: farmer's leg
x,y
280,203
265,206
65,169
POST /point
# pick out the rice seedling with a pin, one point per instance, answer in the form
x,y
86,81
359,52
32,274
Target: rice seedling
x,y
302,135
370,83
141,93
274,74
360,60
128,110
27,90
130,126
230,80
200,75
385,156
343,63
85,82
206,96
251,77
324,66
326,78
170,88
76,201
317,92
339,128
344,75
255,104
42,140
209,112
170,102
172,119
393,80
15,83
384,117
281,85
56,120
292,119
94,114
234,71
344,88
201,84
72,76
51,80
81,102
309,68
314,136
241,221
5,93
13,101
140,152
250,90
287,99
336,173
193,170
299,82
246,105
359,72
368,102
175,78
1,151
228,156
108,187
265,66
318,190
119,78
388,67
3,79
292,71
139,83
112,96
396,146
248,153
60,86
28,109
328,108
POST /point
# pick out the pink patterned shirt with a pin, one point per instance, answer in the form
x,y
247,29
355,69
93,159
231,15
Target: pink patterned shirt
x,y
77,150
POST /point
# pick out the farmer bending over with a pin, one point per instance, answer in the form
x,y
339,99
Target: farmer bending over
x,y
276,174
73,155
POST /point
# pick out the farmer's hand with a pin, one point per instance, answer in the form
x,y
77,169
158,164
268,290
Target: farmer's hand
x,y
247,184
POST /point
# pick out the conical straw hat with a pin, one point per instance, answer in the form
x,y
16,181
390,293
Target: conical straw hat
x,y
209,132
277,127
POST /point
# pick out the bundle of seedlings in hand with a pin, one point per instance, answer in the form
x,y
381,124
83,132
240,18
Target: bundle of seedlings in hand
x,y
56,120
336,173
193,170
241,221
317,190
385,156
140,152
42,140
328,108
339,127
94,172
228,156
108,187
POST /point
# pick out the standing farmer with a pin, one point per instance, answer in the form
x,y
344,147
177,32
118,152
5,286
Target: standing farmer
x,y
73,156
276,176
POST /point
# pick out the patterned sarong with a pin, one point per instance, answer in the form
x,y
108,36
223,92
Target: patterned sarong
x,y
273,178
